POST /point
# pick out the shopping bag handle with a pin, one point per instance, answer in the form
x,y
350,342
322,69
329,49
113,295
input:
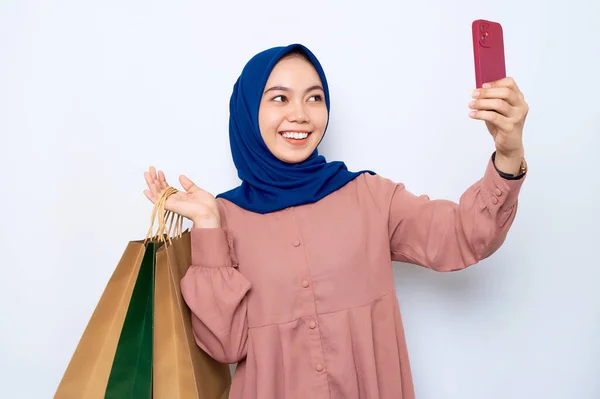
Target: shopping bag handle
x,y
164,233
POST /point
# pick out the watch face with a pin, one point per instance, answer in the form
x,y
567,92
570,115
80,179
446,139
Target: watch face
x,y
523,166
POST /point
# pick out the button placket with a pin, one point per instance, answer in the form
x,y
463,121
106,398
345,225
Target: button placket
x,y
314,337
313,333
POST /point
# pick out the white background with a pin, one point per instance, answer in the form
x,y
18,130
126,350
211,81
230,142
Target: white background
x,y
91,93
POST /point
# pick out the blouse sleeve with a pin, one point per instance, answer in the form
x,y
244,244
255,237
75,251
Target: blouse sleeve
x,y
215,291
444,235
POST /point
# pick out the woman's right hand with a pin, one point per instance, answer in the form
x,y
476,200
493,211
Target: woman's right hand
x,y
195,204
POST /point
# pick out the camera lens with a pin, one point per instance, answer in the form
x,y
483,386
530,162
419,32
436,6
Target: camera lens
x,y
482,37
482,28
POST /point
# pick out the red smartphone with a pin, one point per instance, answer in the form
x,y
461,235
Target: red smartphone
x,y
488,51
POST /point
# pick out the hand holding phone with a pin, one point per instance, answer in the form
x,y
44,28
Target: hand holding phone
x,y
488,52
500,104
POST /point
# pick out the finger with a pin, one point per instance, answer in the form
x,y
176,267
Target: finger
x,y
494,104
187,184
151,182
504,93
492,117
148,179
505,82
162,180
150,196
153,173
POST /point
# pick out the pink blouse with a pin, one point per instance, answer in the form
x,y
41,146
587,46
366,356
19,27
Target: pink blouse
x,y
304,298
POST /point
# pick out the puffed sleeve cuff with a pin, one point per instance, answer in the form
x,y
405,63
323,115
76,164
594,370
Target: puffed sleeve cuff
x,y
498,193
212,247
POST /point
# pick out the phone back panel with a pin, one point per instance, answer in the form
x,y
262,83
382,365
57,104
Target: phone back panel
x,y
488,51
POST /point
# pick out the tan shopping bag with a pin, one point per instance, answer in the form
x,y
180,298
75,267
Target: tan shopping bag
x,y
181,369
89,369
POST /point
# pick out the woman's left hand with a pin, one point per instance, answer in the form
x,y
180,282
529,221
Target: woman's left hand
x,y
503,108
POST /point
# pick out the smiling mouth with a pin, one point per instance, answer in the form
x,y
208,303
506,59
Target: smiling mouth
x,y
295,138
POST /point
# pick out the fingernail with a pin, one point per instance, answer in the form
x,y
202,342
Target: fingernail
x,y
472,114
475,93
471,104
487,85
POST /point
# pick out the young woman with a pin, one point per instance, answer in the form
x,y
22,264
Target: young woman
x,y
291,273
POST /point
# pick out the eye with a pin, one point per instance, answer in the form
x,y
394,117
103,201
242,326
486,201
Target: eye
x,y
316,98
279,99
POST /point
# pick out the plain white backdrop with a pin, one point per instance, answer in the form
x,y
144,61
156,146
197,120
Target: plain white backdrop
x,y
92,93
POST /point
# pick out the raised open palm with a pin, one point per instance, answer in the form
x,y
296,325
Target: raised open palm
x,y
194,203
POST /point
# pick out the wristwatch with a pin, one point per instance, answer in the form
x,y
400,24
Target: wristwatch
x,y
510,176
523,168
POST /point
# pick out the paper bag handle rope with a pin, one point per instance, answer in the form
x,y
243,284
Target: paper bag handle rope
x,y
164,217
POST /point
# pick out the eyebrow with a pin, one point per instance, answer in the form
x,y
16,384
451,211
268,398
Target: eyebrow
x,y
283,88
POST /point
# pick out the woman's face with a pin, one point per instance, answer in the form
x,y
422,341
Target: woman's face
x,y
293,115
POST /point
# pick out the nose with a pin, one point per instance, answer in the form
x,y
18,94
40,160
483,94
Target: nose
x,y
298,114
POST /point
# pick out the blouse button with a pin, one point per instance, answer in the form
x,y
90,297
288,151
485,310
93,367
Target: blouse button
x,y
319,367
305,283
498,192
296,243
494,200
312,325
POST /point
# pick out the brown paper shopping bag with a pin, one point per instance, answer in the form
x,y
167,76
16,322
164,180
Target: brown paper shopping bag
x,y
89,369
181,370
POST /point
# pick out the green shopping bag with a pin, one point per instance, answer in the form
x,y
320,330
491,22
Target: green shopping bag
x,y
131,372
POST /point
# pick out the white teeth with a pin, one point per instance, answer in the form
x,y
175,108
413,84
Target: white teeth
x,y
295,135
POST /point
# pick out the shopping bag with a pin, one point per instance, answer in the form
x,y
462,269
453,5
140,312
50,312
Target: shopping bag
x,y
139,342
87,374
131,373
181,369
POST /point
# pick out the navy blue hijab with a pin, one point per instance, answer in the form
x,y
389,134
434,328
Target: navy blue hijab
x,y
269,184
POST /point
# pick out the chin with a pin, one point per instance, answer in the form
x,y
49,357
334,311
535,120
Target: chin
x,y
285,152
296,157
